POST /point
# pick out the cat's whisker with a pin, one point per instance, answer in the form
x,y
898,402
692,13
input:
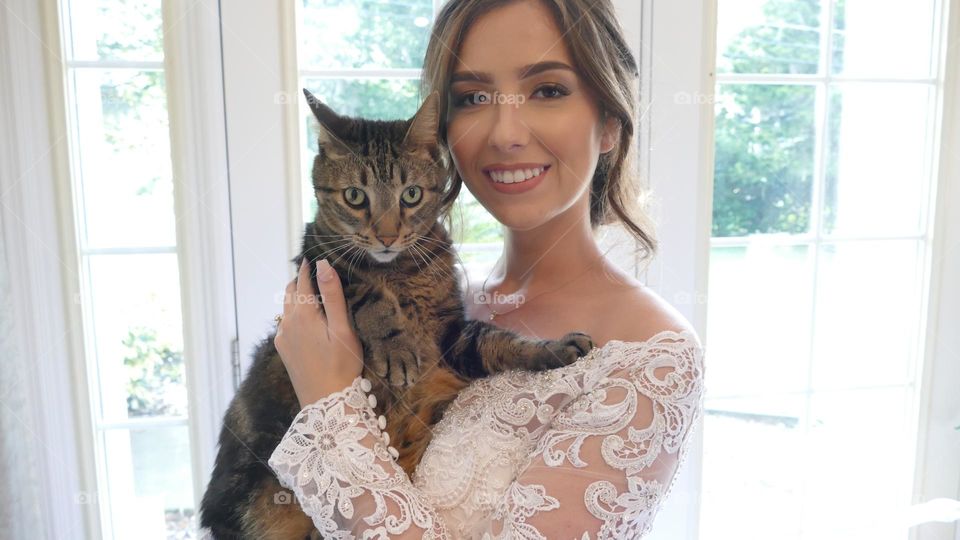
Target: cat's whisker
x,y
339,257
309,235
332,245
326,254
353,258
433,242
435,270
413,257
417,252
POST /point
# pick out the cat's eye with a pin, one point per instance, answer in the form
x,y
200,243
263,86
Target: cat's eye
x,y
354,196
411,195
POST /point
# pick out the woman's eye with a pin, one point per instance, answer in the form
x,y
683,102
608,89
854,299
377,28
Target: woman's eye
x,y
472,98
549,88
354,196
411,195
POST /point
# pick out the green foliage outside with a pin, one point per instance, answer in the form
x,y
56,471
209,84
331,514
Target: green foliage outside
x,y
766,133
155,374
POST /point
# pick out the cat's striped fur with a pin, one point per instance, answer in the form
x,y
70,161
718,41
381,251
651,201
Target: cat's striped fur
x,y
419,348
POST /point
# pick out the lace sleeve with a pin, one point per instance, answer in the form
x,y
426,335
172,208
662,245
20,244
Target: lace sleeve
x,y
600,468
608,460
337,461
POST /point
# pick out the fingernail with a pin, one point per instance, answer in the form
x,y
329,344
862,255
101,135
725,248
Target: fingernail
x,y
324,273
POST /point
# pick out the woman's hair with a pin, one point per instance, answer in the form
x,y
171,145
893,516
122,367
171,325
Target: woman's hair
x,y
602,60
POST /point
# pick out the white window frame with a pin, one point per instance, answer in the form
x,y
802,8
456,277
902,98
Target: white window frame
x,y
33,160
938,435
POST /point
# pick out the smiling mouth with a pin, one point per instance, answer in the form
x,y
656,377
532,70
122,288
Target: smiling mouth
x,y
517,176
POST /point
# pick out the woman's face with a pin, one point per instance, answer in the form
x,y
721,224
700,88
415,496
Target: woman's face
x,y
507,119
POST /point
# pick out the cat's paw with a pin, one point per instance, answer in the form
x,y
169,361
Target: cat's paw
x,y
568,349
582,342
397,365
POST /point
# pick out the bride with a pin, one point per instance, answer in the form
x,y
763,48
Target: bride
x,y
530,84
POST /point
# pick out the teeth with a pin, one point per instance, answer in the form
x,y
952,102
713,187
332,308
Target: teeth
x,y
512,177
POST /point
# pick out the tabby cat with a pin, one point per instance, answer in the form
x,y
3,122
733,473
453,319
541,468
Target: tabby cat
x,y
383,190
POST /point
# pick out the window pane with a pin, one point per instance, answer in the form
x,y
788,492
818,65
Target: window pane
x,y
150,483
765,137
124,149
378,99
360,34
768,36
859,463
115,30
877,176
759,313
883,38
752,472
868,301
139,341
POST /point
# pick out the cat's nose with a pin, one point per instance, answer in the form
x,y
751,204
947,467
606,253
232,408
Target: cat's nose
x,y
387,240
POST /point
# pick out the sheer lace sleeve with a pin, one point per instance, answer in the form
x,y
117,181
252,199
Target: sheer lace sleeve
x,y
593,449
609,458
337,461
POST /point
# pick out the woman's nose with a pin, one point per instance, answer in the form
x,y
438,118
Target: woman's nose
x,y
508,130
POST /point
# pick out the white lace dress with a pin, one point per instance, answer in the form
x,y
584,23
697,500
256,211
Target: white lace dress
x,y
589,450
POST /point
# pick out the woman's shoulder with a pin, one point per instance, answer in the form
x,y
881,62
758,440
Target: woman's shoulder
x,y
639,316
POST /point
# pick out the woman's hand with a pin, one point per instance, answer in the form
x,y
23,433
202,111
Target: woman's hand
x,y
321,352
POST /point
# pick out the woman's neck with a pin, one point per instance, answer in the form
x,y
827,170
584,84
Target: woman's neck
x,y
539,260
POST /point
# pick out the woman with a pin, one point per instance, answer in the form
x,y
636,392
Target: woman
x,y
599,442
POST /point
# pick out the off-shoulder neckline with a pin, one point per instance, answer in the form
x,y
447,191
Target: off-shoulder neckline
x,y
684,335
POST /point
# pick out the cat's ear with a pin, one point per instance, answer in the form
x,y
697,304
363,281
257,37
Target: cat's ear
x,y
330,122
422,135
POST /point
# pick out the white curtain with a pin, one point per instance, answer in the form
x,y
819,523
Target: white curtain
x,y
20,513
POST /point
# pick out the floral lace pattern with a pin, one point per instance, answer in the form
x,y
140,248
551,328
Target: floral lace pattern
x,y
600,439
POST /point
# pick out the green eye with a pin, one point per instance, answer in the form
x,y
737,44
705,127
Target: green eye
x,y
411,195
354,196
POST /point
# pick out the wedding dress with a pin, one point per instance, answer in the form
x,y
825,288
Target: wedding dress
x,y
586,451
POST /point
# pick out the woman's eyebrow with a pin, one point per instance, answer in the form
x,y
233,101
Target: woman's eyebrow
x,y
523,72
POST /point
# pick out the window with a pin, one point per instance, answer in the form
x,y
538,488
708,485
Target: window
x,y
364,59
824,162
130,287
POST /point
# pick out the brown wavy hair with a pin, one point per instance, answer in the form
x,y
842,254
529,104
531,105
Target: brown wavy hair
x,y
603,61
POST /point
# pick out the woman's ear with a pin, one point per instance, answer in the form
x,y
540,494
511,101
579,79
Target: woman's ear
x,y
611,133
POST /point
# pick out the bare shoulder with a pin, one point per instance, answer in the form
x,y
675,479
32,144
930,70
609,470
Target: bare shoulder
x,y
641,313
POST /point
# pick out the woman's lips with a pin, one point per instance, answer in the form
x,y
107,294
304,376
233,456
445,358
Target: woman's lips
x,y
518,187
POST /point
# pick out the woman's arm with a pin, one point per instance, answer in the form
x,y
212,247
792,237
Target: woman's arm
x,y
609,458
337,460
601,470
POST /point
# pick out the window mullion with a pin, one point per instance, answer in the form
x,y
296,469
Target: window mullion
x,y
820,167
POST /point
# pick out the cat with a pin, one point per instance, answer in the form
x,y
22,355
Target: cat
x,y
383,191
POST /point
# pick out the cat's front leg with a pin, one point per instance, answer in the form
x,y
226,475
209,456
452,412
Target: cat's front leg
x,y
391,351
483,347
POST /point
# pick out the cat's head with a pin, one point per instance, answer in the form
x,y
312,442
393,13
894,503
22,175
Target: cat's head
x,y
380,185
